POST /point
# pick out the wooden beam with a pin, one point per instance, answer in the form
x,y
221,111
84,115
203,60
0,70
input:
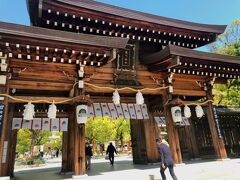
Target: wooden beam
x,y
42,66
106,89
186,92
33,85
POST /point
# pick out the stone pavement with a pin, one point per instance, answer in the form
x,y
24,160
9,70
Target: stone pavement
x,y
125,169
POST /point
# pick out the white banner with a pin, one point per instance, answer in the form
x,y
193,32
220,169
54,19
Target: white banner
x,y
37,123
132,111
91,111
97,109
46,124
120,111
138,111
185,121
158,121
161,122
113,110
55,124
41,124
105,110
125,111
145,111
63,124
17,123
27,124
5,149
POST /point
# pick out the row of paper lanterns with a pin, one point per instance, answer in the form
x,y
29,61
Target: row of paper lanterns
x,y
29,112
139,98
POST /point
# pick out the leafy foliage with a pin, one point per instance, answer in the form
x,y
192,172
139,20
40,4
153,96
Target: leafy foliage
x,y
122,127
107,129
228,43
55,143
28,138
23,140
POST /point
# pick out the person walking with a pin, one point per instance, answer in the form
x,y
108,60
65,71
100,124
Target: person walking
x,y
166,159
57,153
110,152
89,154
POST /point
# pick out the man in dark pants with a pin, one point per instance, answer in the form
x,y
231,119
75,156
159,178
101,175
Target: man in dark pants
x,y
89,154
110,151
166,159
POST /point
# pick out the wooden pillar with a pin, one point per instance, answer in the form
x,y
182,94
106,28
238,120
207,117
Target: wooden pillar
x,y
218,142
82,149
76,149
12,152
79,142
173,138
70,146
65,145
150,136
3,136
79,150
6,138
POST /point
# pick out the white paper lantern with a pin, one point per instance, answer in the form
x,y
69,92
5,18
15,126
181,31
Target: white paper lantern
x,y
82,114
176,114
199,111
52,111
139,98
187,112
116,97
28,112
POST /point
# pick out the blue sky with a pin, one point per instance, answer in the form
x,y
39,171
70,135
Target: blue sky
x,y
201,11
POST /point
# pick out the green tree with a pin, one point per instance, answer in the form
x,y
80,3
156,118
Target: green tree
x,y
122,127
23,141
228,43
99,130
28,138
55,143
107,129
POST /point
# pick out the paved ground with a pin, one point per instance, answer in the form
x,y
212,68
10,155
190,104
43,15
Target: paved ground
x,y
125,170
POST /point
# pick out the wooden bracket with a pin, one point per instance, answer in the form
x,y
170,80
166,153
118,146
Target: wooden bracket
x,y
82,99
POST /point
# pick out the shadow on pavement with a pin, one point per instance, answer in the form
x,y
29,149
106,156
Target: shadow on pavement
x,y
99,168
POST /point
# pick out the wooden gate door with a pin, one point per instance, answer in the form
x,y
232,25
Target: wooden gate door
x,y
139,151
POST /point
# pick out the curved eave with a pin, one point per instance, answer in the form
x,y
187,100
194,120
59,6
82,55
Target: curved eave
x,y
137,15
33,11
66,37
186,61
171,50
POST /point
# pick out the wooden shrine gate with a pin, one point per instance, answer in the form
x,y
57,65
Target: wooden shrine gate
x,y
81,52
